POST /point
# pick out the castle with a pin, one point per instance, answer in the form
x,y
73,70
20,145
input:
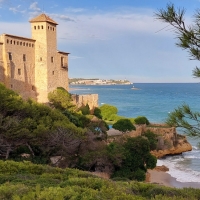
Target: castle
x,y
33,67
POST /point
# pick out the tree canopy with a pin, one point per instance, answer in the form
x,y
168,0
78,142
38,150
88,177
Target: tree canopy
x,y
188,37
124,125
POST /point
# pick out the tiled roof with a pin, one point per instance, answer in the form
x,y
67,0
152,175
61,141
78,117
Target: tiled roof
x,y
43,18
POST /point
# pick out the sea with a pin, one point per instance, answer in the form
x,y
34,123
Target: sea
x,y
155,101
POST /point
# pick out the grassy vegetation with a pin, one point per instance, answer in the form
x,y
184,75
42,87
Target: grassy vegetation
x,y
24,180
109,114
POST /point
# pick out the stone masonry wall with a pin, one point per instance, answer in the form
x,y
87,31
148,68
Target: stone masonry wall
x,y
83,100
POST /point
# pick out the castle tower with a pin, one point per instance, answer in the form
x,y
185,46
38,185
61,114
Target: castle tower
x,y
48,69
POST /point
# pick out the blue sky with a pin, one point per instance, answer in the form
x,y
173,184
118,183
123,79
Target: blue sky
x,y
109,39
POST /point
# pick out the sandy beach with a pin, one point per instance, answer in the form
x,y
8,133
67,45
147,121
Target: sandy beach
x,y
163,178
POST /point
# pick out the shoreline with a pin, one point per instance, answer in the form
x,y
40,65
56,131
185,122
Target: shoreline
x,y
165,179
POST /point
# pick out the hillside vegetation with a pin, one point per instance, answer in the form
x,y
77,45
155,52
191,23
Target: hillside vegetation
x,y
71,137
24,180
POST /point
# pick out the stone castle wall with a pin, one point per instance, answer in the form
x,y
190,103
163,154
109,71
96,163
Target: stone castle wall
x,y
1,64
83,100
18,64
33,67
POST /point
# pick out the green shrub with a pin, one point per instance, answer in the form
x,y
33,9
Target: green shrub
x,y
135,158
85,109
108,110
124,125
139,175
97,113
61,99
141,120
153,139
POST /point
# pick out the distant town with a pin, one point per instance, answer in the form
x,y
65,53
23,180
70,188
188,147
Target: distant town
x,y
96,81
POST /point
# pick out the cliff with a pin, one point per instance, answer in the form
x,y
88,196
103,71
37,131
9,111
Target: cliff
x,y
169,142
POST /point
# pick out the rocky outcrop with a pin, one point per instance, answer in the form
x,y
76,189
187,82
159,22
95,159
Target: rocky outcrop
x,y
169,142
182,146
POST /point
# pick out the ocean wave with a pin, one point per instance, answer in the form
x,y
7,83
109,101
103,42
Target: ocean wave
x,y
192,157
179,172
195,148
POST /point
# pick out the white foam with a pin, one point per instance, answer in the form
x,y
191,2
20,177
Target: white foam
x,y
195,148
177,171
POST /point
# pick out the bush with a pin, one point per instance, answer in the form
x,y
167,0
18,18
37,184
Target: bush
x,y
97,113
108,110
61,99
134,160
139,175
153,139
85,109
124,125
141,120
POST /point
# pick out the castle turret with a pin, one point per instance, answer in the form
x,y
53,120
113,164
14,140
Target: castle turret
x,y
47,61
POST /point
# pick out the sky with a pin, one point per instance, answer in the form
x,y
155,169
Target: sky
x,y
110,39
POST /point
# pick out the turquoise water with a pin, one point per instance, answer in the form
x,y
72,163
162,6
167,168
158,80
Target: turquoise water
x,y
155,101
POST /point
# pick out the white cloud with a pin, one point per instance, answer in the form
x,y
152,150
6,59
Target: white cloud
x,y
17,9
75,10
63,17
34,6
106,26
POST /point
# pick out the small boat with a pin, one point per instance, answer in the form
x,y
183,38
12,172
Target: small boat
x,y
134,88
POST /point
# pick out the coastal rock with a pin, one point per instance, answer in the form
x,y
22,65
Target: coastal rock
x,y
178,149
169,142
161,168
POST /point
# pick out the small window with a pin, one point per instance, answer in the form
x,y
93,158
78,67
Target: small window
x,y
40,58
32,45
17,42
10,41
53,29
52,59
42,27
19,71
11,86
48,27
21,43
62,61
35,27
9,55
27,44
24,57
7,41
38,27
14,42
52,72
33,87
